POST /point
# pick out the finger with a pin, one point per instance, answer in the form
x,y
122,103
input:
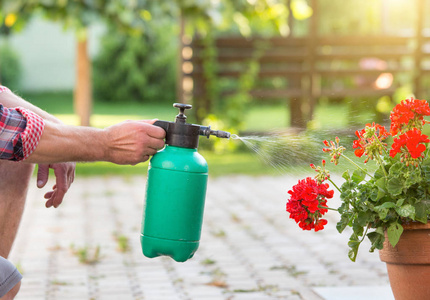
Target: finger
x,y
57,198
54,199
145,158
42,175
58,195
154,131
150,152
48,203
48,195
61,186
71,175
156,144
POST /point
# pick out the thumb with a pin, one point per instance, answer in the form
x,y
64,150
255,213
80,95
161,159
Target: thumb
x,y
42,175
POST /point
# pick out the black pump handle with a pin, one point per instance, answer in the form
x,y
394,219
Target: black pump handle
x,y
181,117
182,106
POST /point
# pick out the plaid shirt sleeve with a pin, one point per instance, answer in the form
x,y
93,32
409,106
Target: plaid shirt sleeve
x,y
20,131
4,89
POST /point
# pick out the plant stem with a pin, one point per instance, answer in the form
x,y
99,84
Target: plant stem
x,y
351,161
364,235
381,163
380,143
329,208
359,243
334,184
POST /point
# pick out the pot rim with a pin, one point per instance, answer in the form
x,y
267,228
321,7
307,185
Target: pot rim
x,y
416,225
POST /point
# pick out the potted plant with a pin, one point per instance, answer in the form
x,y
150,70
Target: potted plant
x,y
390,206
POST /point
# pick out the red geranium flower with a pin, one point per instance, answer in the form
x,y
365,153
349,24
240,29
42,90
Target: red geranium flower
x,y
308,203
409,114
370,141
410,145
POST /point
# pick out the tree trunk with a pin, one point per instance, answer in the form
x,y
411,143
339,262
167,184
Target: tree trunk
x,y
179,71
83,88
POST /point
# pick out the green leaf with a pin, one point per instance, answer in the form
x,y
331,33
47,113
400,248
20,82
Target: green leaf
x,y
421,211
396,169
344,221
386,205
413,177
352,253
353,244
379,173
346,176
381,183
395,186
406,211
358,176
382,212
400,202
377,239
364,218
394,232
384,208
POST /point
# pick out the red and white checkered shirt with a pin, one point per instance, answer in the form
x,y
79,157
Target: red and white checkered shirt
x,y
20,131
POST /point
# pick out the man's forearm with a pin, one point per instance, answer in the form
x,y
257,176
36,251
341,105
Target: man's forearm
x,y
128,142
61,143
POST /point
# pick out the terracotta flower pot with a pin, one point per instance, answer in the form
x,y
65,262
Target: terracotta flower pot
x,y
408,264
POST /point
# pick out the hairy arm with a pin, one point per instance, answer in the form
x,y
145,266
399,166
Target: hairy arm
x,y
129,142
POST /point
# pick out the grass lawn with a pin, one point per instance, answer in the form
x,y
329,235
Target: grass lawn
x,y
260,118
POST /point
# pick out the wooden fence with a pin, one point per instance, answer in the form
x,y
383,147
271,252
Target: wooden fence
x,y
306,69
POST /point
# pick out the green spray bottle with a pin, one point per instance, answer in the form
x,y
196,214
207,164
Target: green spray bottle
x,y
176,191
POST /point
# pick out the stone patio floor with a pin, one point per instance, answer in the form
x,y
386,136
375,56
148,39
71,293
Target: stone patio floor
x,y
249,248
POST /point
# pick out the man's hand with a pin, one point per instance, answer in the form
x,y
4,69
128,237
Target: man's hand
x,y
64,176
132,142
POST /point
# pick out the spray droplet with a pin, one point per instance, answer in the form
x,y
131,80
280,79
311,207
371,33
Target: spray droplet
x,y
234,137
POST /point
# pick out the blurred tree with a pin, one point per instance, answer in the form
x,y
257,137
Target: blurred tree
x,y
78,15
137,68
10,67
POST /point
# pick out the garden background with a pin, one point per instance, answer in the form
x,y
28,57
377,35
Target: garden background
x,y
296,71
281,74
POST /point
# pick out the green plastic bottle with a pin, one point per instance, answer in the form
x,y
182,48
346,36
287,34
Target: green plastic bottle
x,y
176,191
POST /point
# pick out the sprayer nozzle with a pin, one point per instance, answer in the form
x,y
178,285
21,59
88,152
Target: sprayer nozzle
x,y
221,134
207,131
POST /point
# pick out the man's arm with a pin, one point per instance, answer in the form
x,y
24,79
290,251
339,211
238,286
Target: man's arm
x,y
129,142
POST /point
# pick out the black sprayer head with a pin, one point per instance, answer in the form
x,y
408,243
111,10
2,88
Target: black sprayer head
x,y
182,134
